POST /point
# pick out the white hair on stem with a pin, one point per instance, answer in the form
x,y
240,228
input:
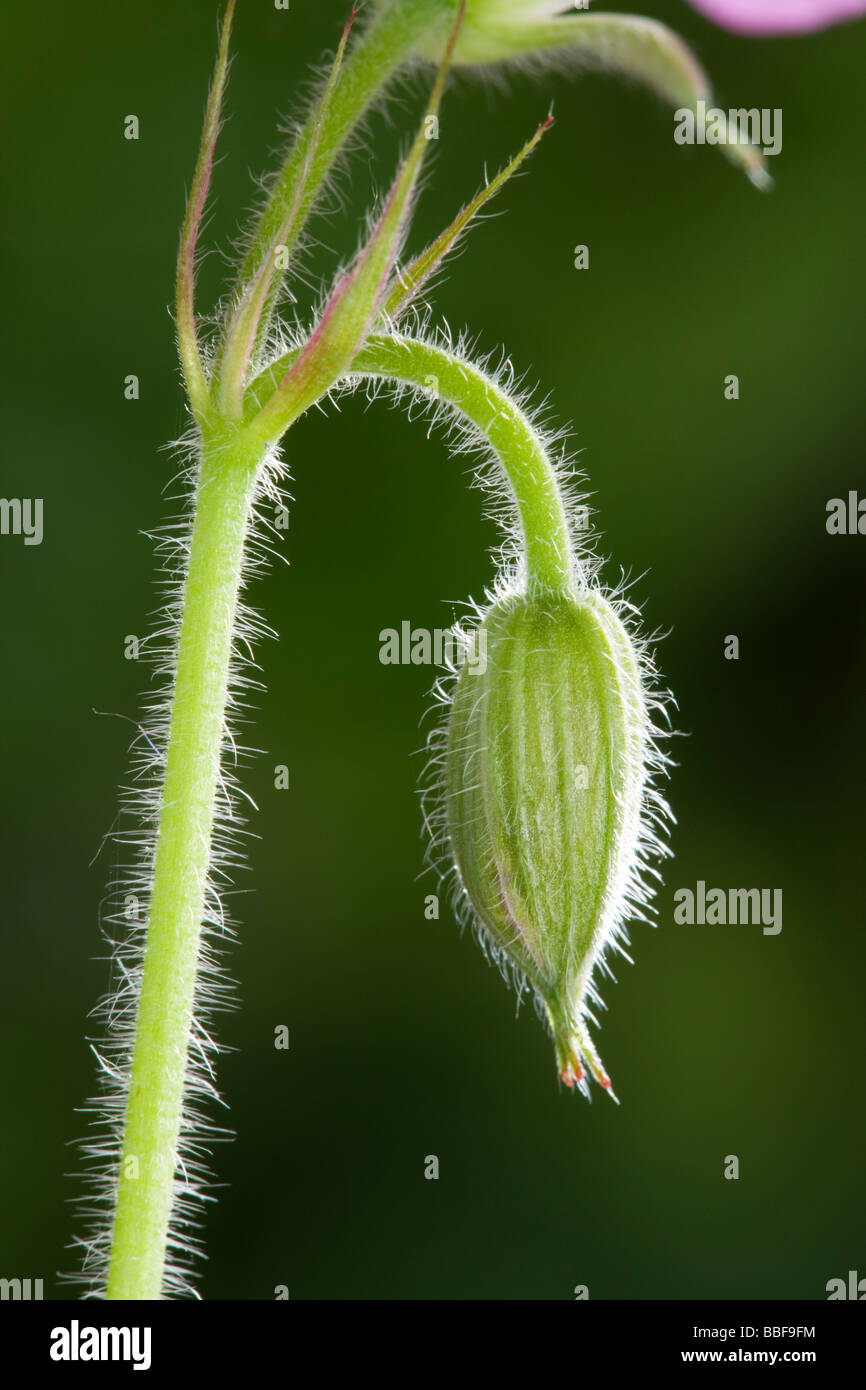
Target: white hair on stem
x,y
125,910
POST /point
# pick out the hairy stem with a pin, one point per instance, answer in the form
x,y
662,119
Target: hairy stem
x,y
149,1167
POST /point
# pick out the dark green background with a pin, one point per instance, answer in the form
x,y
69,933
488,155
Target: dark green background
x,y
403,1042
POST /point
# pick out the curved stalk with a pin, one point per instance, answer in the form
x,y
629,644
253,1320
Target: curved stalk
x,y
518,445
550,562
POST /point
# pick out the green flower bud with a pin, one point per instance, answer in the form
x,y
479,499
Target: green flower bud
x,y
547,782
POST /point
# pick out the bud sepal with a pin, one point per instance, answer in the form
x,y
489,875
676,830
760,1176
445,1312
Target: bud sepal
x,y
549,803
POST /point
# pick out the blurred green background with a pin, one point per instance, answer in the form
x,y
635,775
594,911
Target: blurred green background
x,y
404,1043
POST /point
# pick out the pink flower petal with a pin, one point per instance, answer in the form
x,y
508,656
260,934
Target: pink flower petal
x,y
778,16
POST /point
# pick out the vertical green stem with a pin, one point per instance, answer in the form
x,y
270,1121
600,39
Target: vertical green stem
x,y
149,1162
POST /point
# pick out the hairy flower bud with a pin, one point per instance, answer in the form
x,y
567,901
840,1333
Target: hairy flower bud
x,y
546,781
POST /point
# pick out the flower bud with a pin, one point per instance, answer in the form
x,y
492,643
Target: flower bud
x,y
546,780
